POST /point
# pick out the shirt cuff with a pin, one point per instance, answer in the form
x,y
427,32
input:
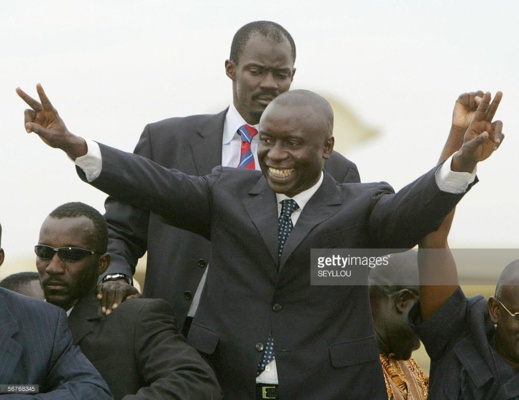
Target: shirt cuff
x,y
91,163
451,181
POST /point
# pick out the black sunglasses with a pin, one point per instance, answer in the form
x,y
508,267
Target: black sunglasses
x,y
69,254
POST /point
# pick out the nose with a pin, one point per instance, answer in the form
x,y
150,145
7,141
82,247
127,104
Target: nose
x,y
269,82
277,152
56,265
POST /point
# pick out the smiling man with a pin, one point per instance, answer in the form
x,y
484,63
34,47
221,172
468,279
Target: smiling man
x,y
260,67
261,324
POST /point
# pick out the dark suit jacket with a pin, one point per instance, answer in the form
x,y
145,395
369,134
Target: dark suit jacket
x,y
139,353
460,339
176,258
36,348
324,339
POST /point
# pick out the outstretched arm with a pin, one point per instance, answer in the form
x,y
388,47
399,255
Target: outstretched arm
x,y
43,119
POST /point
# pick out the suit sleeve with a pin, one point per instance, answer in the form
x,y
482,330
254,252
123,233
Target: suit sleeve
x,y
70,374
401,220
181,200
127,225
170,367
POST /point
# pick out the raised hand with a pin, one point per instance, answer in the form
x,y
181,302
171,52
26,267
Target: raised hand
x,y
482,137
465,108
43,119
463,113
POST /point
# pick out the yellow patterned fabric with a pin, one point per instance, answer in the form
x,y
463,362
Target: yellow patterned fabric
x,y
405,380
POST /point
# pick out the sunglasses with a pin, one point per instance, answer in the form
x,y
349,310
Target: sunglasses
x,y
69,254
515,316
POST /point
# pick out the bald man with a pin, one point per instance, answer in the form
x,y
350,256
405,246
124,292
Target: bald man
x,y
265,329
472,342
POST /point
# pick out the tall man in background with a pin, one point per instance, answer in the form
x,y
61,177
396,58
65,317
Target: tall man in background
x,y
261,66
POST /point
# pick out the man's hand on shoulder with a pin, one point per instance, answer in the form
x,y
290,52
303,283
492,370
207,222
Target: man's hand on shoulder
x,y
112,293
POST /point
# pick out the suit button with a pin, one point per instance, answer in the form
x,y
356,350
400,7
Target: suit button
x,y
260,346
188,295
276,307
202,263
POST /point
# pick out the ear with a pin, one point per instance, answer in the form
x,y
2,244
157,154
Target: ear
x,y
104,262
2,255
230,69
404,300
493,310
328,147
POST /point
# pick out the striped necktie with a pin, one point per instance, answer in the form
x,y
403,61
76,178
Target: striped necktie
x,y
246,132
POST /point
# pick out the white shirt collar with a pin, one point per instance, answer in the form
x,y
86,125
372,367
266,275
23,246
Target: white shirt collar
x,y
303,197
233,120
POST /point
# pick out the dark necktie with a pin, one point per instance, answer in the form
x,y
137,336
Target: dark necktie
x,y
285,225
246,132
288,206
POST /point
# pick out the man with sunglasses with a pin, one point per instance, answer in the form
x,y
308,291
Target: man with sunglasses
x,y
37,357
137,349
473,343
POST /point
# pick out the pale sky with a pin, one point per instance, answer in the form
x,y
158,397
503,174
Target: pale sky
x,y
110,67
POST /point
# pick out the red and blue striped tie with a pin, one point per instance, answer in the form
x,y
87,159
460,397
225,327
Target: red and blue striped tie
x,y
246,132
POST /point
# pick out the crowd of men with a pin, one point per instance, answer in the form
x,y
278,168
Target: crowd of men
x,y
227,208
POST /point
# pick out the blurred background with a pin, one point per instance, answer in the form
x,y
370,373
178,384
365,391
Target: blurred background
x,y
391,69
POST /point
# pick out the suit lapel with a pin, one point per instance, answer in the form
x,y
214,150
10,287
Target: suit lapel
x,y
84,316
10,349
207,144
262,209
321,206
261,206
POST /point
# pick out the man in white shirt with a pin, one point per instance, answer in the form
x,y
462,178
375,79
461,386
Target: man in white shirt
x,y
258,293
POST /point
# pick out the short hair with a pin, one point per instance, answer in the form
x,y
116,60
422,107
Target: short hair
x,y
17,281
400,273
267,29
78,209
509,277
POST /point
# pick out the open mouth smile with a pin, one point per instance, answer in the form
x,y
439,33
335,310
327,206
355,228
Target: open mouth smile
x,y
280,173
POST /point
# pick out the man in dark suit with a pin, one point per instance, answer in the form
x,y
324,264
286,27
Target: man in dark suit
x,y
261,66
137,349
37,356
472,341
258,294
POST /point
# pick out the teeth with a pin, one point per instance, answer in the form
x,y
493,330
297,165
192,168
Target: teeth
x,y
280,173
